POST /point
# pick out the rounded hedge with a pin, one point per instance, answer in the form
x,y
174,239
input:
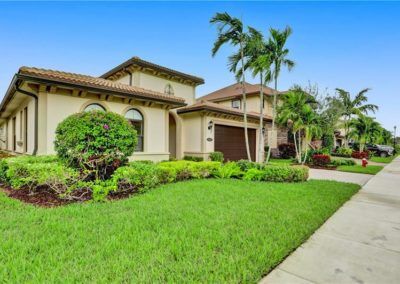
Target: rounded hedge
x,y
97,141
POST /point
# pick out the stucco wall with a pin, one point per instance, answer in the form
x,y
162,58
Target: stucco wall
x,y
252,104
155,122
158,84
28,103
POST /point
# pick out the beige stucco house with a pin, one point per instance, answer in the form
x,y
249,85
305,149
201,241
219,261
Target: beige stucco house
x,y
158,101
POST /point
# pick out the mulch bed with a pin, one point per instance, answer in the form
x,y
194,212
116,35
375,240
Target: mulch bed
x,y
43,198
322,167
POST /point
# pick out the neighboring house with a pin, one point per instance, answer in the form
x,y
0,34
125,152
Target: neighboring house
x,y
158,101
231,97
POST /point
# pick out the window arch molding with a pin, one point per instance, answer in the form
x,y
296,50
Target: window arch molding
x,y
141,129
94,102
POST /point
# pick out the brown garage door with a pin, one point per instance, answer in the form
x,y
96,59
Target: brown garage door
x,y
230,141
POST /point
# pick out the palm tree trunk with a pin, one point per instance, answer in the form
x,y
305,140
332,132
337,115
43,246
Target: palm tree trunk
x,y
295,145
346,132
246,136
261,136
273,116
299,137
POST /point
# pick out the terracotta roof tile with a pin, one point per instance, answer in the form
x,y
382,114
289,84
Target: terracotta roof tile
x,y
99,83
235,90
146,64
210,106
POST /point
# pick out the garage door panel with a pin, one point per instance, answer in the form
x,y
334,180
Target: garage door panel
x,y
230,141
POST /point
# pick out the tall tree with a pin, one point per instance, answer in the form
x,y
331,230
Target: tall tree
x,y
279,54
258,60
352,107
230,30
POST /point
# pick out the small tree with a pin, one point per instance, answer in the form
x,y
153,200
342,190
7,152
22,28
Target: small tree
x,y
96,142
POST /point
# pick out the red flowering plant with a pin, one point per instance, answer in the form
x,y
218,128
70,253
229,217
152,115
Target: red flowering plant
x,y
321,160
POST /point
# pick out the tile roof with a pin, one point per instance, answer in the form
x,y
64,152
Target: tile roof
x,y
146,64
235,90
98,84
214,107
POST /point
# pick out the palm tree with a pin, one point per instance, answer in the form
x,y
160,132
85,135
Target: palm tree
x,y
354,107
297,114
362,129
279,59
230,30
258,60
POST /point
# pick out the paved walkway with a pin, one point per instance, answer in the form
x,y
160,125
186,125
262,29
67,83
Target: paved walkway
x,y
360,179
359,244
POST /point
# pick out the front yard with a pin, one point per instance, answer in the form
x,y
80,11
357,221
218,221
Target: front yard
x,y
369,169
210,230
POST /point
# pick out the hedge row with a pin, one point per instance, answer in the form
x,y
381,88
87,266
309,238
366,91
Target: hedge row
x,y
47,172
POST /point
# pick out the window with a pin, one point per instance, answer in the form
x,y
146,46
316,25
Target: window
x,y
169,90
136,119
95,106
236,104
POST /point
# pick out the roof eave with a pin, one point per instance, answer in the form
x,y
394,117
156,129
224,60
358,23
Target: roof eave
x,y
122,66
97,89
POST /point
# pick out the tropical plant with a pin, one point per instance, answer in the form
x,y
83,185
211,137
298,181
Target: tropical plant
x,y
363,128
297,114
353,107
278,58
230,30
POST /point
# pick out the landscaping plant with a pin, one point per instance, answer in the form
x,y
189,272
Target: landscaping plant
x,y
216,156
95,142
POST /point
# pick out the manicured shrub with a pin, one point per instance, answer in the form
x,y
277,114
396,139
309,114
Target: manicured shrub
x,y
287,150
254,174
216,156
137,177
228,170
342,162
183,170
97,142
285,173
247,165
343,152
193,158
360,155
321,159
34,172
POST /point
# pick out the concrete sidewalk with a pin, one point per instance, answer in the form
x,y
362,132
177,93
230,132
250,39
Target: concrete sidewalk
x,y
360,243
360,179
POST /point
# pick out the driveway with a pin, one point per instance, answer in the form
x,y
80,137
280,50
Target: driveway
x,y
360,243
360,179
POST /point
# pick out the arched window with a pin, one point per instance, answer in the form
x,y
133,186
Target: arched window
x,y
94,106
136,119
169,90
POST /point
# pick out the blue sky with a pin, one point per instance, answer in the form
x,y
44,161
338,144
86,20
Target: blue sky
x,y
335,44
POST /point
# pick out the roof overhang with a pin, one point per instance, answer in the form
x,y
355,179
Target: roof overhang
x,y
137,64
217,110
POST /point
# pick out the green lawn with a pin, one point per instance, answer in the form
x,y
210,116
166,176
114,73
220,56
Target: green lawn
x,y
385,160
369,169
196,231
280,161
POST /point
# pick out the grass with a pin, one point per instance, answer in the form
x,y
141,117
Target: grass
x,y
280,161
385,160
369,169
196,231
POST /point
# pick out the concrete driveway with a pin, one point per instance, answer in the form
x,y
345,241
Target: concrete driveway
x,y
360,243
360,179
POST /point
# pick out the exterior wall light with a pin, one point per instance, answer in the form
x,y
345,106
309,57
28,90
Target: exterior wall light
x,y
210,124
